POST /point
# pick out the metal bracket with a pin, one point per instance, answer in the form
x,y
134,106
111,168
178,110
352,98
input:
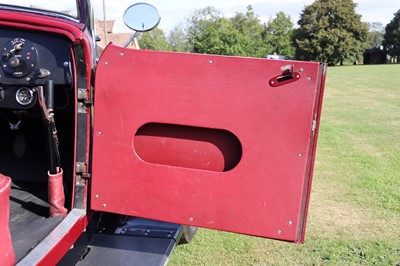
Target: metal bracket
x,y
80,167
79,192
82,108
288,76
83,97
314,125
82,94
82,170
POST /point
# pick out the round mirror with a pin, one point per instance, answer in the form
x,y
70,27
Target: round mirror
x,y
141,17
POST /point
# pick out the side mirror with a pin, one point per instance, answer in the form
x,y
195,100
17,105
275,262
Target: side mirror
x,y
141,17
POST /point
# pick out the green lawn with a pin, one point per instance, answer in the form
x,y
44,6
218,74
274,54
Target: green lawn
x,y
354,216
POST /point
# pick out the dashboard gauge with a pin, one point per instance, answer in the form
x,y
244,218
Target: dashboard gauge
x,y
24,96
18,57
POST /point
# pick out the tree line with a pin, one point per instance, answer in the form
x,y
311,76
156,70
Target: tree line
x,y
328,31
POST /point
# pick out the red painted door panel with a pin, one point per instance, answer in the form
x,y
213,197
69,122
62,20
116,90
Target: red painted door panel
x,y
218,142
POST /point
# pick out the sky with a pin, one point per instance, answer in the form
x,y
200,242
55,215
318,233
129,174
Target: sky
x,y
173,12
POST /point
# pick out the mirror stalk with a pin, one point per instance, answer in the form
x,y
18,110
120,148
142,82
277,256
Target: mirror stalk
x,y
131,39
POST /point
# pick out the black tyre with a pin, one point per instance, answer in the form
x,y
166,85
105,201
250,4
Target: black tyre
x,y
188,233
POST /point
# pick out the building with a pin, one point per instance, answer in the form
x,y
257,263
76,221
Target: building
x,y
375,56
112,36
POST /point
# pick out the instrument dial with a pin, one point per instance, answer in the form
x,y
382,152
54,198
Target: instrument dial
x,y
18,57
24,96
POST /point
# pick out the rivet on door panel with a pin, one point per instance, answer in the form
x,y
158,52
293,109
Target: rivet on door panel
x,y
186,146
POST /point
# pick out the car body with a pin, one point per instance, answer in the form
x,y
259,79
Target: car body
x,y
176,139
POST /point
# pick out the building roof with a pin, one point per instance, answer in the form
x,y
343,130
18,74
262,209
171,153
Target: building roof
x,y
99,25
117,38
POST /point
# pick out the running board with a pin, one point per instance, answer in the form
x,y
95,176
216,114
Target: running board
x,y
127,250
137,242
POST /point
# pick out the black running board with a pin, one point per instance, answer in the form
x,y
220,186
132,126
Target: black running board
x,y
108,250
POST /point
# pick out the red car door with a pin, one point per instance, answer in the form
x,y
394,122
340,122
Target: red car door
x,y
211,141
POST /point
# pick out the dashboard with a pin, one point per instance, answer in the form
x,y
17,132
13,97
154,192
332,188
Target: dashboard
x,y
29,59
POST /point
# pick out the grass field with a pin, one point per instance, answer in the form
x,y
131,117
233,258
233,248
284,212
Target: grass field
x,y
354,216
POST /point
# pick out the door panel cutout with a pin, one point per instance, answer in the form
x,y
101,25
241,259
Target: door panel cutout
x,y
186,146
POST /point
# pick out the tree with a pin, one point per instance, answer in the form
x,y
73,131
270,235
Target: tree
x,y
279,33
200,20
154,40
376,31
209,32
392,36
253,33
330,31
220,37
178,40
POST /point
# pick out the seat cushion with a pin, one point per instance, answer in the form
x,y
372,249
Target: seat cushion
x,y
7,256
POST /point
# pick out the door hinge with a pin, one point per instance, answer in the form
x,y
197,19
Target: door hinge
x,y
82,108
83,97
82,94
314,126
81,169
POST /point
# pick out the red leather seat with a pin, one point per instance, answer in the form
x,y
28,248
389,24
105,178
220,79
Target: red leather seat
x,y
7,255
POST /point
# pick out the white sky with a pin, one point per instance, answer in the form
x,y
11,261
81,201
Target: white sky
x,y
174,11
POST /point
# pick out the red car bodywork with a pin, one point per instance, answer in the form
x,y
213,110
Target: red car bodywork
x,y
219,142
210,130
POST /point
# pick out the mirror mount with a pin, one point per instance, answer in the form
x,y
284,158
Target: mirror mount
x,y
141,17
134,35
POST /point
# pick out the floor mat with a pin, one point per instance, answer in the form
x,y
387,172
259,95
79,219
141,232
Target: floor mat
x,y
29,222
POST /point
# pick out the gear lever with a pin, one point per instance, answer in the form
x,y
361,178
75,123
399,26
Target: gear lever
x,y
55,174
